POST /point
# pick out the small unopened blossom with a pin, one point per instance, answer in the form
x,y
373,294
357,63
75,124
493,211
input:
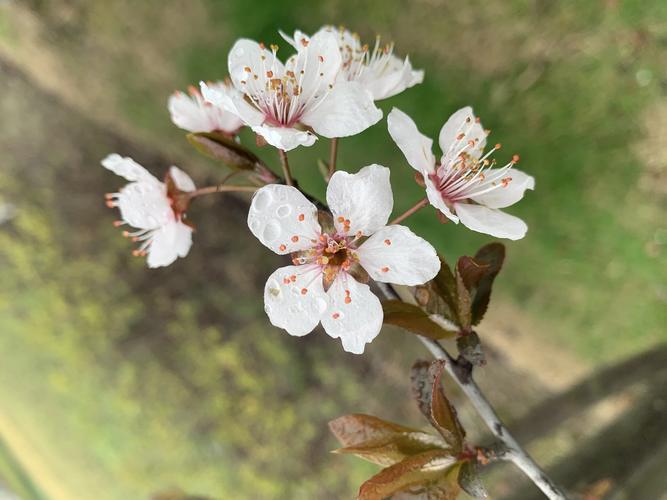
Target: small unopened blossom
x,y
465,185
192,113
280,101
377,69
156,209
326,282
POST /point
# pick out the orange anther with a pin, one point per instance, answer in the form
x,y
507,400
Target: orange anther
x,y
304,291
515,159
385,269
498,146
301,217
293,278
321,58
335,315
269,74
282,248
387,242
118,223
341,219
348,300
295,238
460,136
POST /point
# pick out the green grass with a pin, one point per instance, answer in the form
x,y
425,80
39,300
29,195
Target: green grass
x,y
13,477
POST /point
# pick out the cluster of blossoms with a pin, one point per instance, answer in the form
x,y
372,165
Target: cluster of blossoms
x,y
327,88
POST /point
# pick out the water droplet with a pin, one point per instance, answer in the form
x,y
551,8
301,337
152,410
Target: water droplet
x,y
262,199
254,225
284,210
271,231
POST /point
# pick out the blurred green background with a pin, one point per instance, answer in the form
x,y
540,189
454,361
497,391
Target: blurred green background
x,y
118,382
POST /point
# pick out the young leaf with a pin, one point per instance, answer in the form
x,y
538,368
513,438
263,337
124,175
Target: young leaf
x,y
444,285
469,481
432,474
221,147
433,404
442,411
357,428
463,303
492,255
414,319
380,442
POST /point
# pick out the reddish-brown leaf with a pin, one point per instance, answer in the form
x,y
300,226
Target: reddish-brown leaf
x,y
414,319
431,475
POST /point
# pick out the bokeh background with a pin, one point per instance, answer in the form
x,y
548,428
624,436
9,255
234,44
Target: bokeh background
x,y
119,382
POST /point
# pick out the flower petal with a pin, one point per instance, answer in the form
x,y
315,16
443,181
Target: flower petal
x,y
144,205
188,114
390,78
354,314
435,199
248,54
286,304
283,219
509,194
169,242
416,147
233,103
491,221
128,168
395,254
347,109
285,138
461,128
360,202
317,62
181,179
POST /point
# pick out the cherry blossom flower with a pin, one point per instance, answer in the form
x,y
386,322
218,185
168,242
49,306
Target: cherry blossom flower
x,y
155,208
277,100
325,284
464,186
194,114
378,70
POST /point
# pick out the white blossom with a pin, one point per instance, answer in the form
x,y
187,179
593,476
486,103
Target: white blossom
x,y
154,208
378,70
279,100
464,185
324,283
194,114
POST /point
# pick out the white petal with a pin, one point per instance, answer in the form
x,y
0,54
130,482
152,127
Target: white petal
x,y
461,122
285,138
347,109
188,114
507,195
393,77
356,321
234,103
316,63
144,205
128,168
491,221
364,199
283,219
395,254
287,306
181,179
416,147
249,54
169,242
435,199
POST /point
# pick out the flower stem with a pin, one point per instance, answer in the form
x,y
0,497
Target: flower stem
x,y
222,188
286,171
419,205
332,157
